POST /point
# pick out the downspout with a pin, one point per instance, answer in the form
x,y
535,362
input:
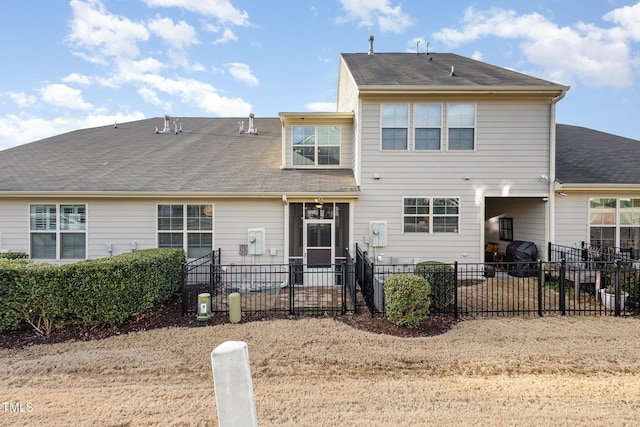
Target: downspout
x,y
550,231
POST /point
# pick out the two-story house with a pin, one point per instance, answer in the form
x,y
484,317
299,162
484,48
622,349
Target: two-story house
x,y
427,157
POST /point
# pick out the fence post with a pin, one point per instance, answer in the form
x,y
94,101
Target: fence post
x,y
183,289
541,279
233,385
563,297
292,274
344,288
455,290
618,294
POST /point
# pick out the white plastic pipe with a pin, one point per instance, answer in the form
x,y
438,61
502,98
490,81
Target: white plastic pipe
x,y
233,385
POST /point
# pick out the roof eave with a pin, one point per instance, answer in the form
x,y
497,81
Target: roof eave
x,y
551,91
175,194
588,187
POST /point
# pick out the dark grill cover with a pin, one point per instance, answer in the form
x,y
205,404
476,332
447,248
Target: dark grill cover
x,y
522,257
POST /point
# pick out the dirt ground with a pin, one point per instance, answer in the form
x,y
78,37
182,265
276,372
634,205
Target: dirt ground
x,y
353,371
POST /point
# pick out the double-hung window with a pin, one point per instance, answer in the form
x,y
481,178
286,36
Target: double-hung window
x,y
615,222
395,126
431,214
58,231
428,123
316,145
188,227
461,124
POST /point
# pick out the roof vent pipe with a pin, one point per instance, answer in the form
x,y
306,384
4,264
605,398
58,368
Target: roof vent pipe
x,y
370,45
252,130
167,124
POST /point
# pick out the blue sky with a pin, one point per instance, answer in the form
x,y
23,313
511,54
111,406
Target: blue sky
x,y
84,63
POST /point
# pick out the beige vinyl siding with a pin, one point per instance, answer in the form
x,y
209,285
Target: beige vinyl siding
x,y
233,218
121,221
511,152
14,226
572,219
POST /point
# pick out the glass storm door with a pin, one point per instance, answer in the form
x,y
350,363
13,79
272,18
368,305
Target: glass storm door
x,y
319,253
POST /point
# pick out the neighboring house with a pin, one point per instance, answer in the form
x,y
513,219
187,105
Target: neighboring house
x,y
428,157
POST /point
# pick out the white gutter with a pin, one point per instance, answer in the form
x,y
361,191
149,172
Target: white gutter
x,y
201,195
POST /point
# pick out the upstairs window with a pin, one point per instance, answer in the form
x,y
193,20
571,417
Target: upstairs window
x,y
461,123
428,124
395,123
58,232
316,145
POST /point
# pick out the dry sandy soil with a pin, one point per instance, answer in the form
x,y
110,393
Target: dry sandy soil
x,y
556,371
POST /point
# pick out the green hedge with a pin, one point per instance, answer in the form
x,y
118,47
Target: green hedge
x,y
441,278
14,255
97,292
406,299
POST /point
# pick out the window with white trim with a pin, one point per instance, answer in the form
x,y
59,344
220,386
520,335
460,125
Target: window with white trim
x,y
431,214
188,227
614,222
316,145
58,231
427,120
461,124
394,119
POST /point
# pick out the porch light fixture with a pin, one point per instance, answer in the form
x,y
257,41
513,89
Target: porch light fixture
x,y
544,178
319,203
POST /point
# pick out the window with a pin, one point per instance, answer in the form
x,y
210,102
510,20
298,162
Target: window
x,y
615,222
316,145
395,122
195,228
427,122
461,122
431,214
58,232
505,229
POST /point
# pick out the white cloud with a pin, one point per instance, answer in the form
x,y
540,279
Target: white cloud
x,y
75,78
322,106
593,55
222,10
227,36
242,73
19,129
178,36
369,13
102,34
628,19
60,95
21,99
150,96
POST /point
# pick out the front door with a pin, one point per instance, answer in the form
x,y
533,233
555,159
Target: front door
x,y
319,255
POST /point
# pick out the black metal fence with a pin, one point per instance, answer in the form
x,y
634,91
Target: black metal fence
x,y
569,283
287,288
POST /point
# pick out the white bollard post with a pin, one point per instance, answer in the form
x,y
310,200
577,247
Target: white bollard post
x,y
233,385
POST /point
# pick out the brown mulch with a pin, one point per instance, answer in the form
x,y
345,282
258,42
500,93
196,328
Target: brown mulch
x,y
169,314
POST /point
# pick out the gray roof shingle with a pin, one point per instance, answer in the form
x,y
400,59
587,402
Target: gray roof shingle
x,y
210,156
587,156
434,70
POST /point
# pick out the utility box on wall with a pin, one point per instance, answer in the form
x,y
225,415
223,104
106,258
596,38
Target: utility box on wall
x,y
256,241
378,233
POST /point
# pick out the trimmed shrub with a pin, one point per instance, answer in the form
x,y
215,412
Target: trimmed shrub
x,y
14,255
96,292
406,299
441,278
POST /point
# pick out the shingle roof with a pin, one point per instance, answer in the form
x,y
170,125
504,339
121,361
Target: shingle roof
x,y
434,70
209,156
587,156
